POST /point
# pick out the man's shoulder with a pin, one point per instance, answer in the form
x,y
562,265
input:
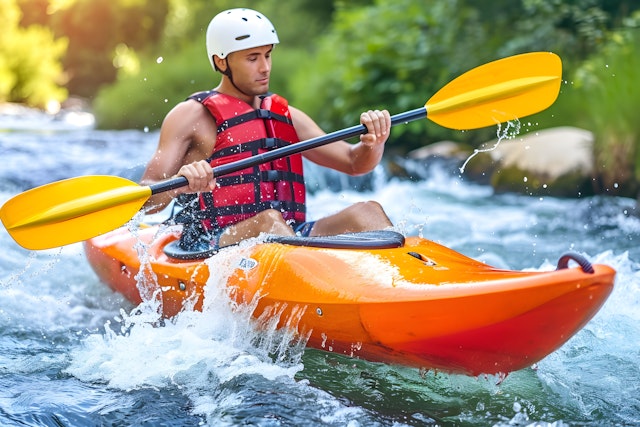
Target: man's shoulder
x,y
202,95
188,110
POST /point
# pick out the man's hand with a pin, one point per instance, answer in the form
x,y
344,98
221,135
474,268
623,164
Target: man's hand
x,y
378,124
200,176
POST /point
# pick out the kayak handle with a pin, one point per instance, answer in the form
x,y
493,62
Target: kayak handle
x,y
563,262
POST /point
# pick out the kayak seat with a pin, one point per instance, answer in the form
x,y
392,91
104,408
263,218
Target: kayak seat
x,y
381,239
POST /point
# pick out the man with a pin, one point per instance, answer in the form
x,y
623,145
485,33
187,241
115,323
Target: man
x,y
240,118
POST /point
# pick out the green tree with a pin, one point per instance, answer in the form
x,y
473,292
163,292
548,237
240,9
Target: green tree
x,y
95,28
396,55
389,55
608,81
169,71
178,65
141,100
30,70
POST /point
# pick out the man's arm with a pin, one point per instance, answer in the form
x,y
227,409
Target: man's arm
x,y
186,139
353,159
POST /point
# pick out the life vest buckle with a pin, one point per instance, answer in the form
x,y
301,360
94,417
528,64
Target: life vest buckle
x,y
271,176
263,114
269,143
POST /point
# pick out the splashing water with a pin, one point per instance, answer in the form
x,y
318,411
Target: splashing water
x,y
510,131
195,351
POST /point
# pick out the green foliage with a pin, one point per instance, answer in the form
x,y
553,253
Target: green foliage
x,y
298,22
187,21
600,95
389,55
94,28
30,70
142,100
169,72
608,81
572,29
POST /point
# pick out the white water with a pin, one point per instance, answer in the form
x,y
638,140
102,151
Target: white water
x,y
74,353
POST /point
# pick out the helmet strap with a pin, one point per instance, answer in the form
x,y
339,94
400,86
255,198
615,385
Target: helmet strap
x,y
229,75
227,72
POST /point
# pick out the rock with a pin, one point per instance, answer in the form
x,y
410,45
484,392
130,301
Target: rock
x,y
556,161
418,164
551,152
447,149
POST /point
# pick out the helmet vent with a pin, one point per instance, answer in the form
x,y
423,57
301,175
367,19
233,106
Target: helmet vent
x,y
246,36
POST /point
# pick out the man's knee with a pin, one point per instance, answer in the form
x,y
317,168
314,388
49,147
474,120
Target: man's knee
x,y
369,215
368,208
271,221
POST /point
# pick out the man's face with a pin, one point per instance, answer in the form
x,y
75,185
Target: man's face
x,y
251,69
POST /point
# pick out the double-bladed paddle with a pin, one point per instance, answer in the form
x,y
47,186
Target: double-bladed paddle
x,y
77,209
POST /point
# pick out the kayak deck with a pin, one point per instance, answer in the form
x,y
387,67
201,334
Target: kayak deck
x,y
415,303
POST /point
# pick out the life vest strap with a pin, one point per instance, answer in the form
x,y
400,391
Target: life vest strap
x,y
253,208
263,176
251,115
252,147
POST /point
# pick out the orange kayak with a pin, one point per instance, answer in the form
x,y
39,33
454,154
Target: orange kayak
x,y
378,296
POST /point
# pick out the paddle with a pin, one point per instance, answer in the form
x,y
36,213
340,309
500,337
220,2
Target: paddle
x,y
77,209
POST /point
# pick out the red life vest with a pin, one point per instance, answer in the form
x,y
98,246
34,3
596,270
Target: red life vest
x,y
244,132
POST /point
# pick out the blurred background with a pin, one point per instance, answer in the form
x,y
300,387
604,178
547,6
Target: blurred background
x,y
131,61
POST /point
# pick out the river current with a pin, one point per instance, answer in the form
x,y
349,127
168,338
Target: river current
x,y
73,353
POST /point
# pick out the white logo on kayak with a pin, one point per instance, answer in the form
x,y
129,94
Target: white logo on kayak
x,y
247,264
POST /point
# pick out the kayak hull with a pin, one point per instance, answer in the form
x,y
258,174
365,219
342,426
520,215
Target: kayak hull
x,y
420,304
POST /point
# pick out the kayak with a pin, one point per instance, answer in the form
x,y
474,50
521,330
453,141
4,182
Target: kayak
x,y
378,296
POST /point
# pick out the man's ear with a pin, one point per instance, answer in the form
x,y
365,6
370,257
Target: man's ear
x,y
220,64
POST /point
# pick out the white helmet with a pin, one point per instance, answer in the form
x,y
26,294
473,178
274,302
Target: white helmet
x,y
238,29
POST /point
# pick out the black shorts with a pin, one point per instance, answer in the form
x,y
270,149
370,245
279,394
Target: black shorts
x,y
303,229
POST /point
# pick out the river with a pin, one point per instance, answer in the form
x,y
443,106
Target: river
x,y
73,353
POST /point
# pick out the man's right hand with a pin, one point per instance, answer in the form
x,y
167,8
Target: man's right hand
x,y
200,176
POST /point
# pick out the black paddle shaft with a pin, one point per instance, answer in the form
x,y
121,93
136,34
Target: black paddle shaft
x,y
181,181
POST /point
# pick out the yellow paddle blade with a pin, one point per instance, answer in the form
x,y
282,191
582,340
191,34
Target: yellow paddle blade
x,y
71,210
502,90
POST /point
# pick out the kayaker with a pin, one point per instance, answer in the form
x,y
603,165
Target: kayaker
x,y
239,118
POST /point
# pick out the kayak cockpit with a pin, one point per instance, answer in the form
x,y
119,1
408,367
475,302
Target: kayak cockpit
x,y
380,239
